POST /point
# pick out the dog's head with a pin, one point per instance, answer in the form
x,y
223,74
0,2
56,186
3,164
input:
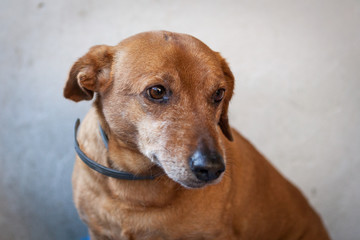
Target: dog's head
x,y
164,94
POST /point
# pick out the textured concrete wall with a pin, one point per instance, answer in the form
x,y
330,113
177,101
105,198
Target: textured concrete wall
x,y
297,65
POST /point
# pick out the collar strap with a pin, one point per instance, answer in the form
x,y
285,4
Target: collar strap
x,y
100,168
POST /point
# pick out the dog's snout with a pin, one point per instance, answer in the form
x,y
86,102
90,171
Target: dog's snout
x,y
206,165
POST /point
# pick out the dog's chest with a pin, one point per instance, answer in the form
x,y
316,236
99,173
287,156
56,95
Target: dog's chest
x,y
123,222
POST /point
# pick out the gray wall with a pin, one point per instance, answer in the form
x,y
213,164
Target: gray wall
x,y
297,65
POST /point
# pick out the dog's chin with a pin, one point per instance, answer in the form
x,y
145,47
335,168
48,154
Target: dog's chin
x,y
193,184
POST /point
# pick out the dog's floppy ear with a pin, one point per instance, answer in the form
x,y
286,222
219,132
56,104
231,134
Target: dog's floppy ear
x,y
89,74
224,121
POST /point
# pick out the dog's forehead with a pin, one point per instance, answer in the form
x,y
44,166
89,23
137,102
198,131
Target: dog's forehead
x,y
156,52
162,40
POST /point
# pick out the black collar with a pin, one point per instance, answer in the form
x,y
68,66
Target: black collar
x,y
100,168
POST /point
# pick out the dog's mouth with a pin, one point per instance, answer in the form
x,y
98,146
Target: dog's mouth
x,y
155,159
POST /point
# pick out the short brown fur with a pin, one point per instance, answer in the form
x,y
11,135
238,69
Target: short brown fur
x,y
251,200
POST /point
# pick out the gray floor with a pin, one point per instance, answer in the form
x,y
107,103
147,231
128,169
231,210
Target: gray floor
x,y
297,96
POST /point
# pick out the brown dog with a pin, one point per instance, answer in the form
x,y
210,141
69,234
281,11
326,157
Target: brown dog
x,y
162,100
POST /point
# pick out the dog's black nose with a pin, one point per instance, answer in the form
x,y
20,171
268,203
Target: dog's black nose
x,y
206,165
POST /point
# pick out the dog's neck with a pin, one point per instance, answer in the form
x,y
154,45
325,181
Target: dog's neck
x,y
151,193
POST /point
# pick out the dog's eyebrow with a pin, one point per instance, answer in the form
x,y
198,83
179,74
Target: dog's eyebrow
x,y
167,77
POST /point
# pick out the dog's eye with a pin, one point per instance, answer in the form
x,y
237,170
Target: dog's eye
x,y
219,95
156,92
